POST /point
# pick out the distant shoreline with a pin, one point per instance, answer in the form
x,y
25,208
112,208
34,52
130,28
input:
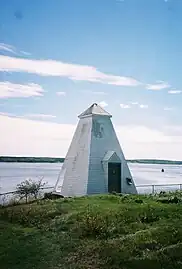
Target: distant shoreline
x,y
61,160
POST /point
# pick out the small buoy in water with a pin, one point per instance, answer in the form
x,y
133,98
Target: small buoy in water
x,y
162,170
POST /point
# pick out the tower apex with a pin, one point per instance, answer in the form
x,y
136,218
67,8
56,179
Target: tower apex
x,y
94,109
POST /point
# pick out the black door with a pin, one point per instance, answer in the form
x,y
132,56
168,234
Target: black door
x,y
114,177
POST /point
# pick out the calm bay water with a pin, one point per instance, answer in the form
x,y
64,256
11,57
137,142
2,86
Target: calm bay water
x,y
13,173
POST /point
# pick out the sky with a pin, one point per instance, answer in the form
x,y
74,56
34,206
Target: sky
x,y
58,57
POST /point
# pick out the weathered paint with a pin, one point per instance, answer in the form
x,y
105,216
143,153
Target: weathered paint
x,y
85,169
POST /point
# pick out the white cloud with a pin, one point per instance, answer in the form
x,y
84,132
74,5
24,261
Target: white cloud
x,y
12,90
134,104
143,106
139,105
52,139
30,137
103,104
39,116
61,93
11,49
174,92
143,134
29,116
124,106
25,53
160,85
6,114
61,69
7,48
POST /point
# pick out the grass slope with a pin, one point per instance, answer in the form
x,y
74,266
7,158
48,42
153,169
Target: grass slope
x,y
109,231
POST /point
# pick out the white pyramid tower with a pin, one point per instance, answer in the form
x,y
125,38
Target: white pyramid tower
x,y
95,162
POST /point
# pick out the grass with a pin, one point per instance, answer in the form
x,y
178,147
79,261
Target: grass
x,y
106,231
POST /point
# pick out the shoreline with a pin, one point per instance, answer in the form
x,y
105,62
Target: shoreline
x,y
14,159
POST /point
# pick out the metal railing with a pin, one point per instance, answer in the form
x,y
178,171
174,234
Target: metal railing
x,y
147,189
10,197
142,189
21,178
14,192
156,188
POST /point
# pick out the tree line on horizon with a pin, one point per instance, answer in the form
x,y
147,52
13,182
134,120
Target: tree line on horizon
x,y
61,160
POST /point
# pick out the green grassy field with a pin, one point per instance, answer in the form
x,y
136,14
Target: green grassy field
x,y
109,231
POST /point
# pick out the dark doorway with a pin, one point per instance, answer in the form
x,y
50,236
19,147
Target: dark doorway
x,y
114,177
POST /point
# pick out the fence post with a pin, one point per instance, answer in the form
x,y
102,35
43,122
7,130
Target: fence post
x,y
180,187
153,189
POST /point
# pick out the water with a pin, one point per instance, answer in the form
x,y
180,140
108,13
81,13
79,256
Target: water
x,y
12,174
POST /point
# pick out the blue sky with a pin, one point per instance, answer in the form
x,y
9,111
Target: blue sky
x,y
58,57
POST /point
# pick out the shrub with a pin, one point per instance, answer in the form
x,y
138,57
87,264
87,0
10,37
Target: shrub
x,y
92,223
170,200
32,214
150,215
162,193
138,201
29,188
